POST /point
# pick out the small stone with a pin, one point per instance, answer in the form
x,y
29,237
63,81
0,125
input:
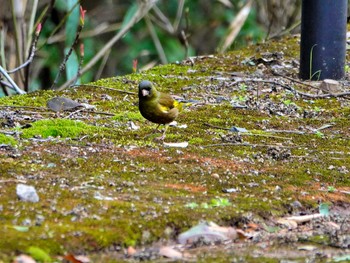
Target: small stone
x,y
278,188
27,193
296,204
62,104
216,176
131,251
330,86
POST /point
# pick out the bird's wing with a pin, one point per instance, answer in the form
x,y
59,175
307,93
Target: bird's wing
x,y
166,102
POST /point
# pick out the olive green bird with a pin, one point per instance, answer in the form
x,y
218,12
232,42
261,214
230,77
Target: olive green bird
x,y
156,106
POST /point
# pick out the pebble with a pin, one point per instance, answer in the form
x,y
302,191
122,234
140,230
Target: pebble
x,y
27,193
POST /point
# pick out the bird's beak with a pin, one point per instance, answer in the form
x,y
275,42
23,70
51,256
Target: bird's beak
x,y
145,92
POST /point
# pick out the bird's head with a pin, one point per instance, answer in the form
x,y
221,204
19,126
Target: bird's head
x,y
146,89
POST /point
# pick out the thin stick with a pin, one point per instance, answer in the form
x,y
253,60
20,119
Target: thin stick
x,y
66,57
27,69
248,144
156,40
31,25
142,10
31,55
179,12
14,85
13,181
294,80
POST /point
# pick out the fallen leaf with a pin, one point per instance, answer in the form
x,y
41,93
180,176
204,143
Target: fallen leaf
x,y
170,252
21,228
24,259
324,209
208,233
304,218
176,144
342,258
39,254
291,224
130,251
307,248
77,259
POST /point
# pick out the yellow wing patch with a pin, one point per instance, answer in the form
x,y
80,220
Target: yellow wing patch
x,y
163,108
178,105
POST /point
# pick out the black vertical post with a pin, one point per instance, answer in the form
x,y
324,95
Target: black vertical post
x,y
323,39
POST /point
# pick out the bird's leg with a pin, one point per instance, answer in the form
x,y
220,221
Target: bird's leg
x,y
163,135
156,129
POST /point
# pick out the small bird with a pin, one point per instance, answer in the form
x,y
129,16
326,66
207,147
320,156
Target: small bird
x,y
156,106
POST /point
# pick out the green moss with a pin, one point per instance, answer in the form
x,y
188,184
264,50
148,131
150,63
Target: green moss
x,y
196,140
7,139
57,128
149,184
128,116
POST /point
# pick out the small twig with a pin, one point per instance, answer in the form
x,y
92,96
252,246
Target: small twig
x,y
156,40
31,25
184,38
13,84
90,111
164,21
94,32
74,112
247,144
216,127
31,55
286,131
27,69
82,55
102,65
13,181
66,57
325,126
304,218
294,80
143,9
179,11
322,96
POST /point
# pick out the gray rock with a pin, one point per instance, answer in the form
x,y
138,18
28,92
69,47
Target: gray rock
x,y
27,193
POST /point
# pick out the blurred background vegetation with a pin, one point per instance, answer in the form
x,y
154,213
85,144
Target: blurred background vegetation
x,y
168,32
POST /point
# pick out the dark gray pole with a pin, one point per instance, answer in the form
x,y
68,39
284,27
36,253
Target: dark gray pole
x,y
323,39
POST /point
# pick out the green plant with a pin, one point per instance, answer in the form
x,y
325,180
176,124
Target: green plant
x,y
318,72
319,134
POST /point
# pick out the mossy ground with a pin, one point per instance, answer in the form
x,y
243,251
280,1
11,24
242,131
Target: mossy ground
x,y
104,184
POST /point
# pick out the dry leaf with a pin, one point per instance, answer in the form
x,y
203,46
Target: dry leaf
x,y
176,144
208,233
291,224
130,251
77,259
170,252
24,259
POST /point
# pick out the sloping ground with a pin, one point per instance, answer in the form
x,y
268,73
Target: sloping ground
x,y
105,184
